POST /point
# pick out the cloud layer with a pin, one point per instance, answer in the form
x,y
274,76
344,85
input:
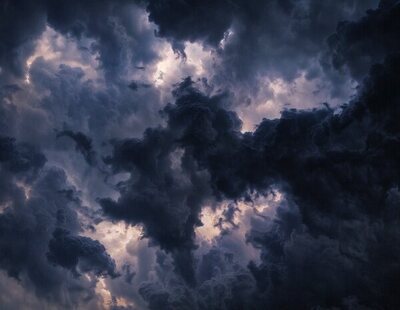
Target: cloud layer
x,y
199,154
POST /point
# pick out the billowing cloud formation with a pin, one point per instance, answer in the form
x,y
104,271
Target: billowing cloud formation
x,y
257,37
67,251
340,172
36,203
111,24
358,45
112,198
267,50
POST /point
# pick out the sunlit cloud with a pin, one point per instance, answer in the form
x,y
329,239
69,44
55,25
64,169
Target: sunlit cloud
x,y
58,49
171,68
276,95
26,189
230,220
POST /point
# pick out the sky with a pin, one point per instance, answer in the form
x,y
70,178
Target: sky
x,y
199,154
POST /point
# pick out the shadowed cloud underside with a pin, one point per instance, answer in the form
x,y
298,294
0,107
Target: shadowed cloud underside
x,y
199,154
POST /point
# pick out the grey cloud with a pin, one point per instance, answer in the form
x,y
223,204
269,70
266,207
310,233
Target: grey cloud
x,y
35,202
331,243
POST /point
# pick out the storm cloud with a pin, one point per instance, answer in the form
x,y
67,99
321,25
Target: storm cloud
x,y
199,154
35,203
339,171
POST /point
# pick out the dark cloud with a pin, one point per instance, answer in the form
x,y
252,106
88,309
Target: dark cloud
x,y
136,85
83,144
100,112
192,20
116,27
330,242
38,215
339,170
222,284
166,199
256,43
63,95
73,252
359,44
260,39
19,157
22,23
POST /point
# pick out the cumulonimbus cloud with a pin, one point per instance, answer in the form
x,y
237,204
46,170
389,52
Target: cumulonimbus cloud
x,y
330,241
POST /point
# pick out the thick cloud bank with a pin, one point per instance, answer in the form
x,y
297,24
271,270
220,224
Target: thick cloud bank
x,y
130,178
334,242
39,228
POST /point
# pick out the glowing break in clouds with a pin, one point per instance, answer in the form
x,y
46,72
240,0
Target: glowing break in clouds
x,y
172,68
58,49
232,221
